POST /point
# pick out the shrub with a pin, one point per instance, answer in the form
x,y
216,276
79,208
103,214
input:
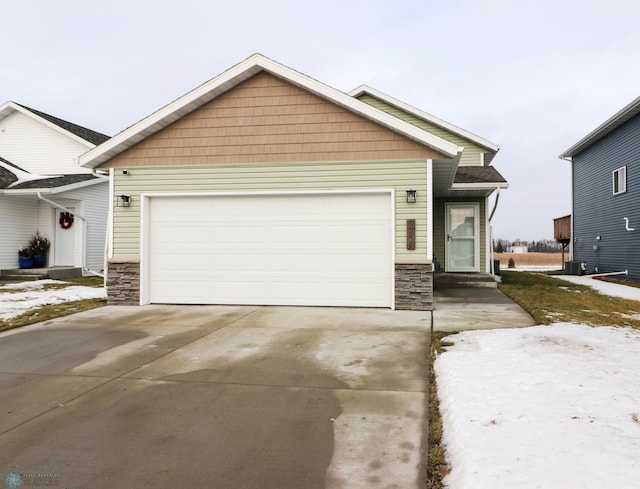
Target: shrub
x,y
38,244
512,263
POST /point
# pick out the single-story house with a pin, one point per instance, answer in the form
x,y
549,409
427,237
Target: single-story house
x,y
42,188
266,186
605,221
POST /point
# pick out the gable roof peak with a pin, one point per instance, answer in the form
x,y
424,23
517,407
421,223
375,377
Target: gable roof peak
x,y
82,134
232,77
616,120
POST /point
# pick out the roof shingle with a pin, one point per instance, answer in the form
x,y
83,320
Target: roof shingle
x,y
478,174
93,137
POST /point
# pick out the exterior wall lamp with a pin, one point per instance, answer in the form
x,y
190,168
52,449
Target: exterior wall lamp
x,y
123,201
411,196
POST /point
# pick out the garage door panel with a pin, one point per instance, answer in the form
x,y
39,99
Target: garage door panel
x,y
331,249
297,263
301,234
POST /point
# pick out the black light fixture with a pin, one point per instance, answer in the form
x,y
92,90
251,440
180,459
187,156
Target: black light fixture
x,y
124,200
411,196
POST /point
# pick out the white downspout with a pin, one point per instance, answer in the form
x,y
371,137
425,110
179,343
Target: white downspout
x,y
86,232
109,226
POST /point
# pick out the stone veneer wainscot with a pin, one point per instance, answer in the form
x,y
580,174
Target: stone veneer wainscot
x,y
414,286
123,283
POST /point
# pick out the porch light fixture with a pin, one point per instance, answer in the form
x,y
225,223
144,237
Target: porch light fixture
x,y
411,196
123,201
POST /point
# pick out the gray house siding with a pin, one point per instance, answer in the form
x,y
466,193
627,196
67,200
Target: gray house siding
x,y
599,213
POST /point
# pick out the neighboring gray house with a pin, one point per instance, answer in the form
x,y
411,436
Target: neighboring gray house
x,y
605,173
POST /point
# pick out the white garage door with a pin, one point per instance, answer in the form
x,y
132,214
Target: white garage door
x,y
303,249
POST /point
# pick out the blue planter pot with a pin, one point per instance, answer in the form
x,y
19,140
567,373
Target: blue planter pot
x,y
39,261
25,262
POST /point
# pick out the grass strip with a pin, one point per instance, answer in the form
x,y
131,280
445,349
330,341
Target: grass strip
x,y
51,311
437,466
550,300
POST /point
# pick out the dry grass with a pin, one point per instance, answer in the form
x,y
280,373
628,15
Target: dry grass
x,y
530,259
550,300
52,311
437,466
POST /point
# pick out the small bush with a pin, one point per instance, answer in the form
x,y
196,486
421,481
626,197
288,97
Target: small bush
x,y
512,263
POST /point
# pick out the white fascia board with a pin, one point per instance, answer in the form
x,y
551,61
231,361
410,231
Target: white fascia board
x,y
234,76
9,107
432,119
603,129
480,186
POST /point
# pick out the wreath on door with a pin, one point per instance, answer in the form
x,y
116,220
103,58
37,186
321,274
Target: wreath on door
x,y
66,220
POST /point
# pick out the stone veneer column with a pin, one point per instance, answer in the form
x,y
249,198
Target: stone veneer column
x,y
123,283
414,286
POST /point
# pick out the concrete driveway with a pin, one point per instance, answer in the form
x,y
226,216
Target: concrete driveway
x,y
216,397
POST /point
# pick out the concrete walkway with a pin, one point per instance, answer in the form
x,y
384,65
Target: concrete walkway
x,y
460,309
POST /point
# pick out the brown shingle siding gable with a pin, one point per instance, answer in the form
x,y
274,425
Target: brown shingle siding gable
x,y
267,120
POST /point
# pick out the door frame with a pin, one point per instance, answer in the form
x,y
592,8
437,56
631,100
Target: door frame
x,y
476,237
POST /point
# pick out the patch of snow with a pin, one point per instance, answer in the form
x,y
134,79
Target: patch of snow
x,y
33,284
535,268
607,288
541,407
13,304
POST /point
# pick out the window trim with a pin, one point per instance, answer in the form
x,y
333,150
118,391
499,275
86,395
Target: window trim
x,y
619,177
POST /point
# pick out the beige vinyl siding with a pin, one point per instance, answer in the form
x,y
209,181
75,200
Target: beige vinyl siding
x,y
440,231
472,154
398,175
269,120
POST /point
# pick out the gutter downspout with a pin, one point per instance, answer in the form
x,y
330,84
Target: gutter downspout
x,y
109,227
495,204
570,160
493,211
86,234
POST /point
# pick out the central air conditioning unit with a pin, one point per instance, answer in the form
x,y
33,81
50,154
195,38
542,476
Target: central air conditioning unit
x,y
574,267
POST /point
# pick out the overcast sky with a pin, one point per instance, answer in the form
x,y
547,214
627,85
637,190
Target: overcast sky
x,y
531,76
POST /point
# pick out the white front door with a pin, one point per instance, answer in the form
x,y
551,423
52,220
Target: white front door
x,y
463,237
65,243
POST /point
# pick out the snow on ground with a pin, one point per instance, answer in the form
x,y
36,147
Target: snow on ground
x,y
13,304
535,268
542,407
550,407
607,288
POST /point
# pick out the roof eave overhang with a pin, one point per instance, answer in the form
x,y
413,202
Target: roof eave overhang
x,y
489,186
615,121
430,118
474,190
236,75
53,190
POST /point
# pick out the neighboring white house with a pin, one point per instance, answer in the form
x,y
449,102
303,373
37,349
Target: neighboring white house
x,y
40,179
517,249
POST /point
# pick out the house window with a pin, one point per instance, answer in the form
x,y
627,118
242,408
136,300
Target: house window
x,y
620,180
